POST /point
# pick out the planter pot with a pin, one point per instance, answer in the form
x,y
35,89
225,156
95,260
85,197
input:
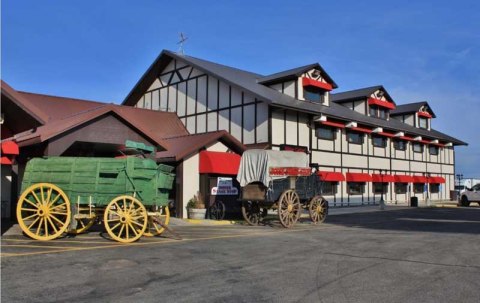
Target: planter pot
x,y
197,213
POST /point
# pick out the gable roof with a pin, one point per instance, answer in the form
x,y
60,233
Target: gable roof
x,y
24,103
247,81
295,73
411,108
183,146
359,94
60,126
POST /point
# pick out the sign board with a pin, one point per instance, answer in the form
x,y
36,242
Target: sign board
x,y
224,188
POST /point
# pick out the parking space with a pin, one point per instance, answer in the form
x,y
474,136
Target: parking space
x,y
421,254
19,245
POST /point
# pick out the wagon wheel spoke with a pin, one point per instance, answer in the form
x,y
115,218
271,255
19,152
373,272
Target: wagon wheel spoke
x,y
30,202
51,224
33,223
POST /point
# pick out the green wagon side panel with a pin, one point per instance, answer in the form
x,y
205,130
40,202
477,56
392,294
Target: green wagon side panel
x,y
103,179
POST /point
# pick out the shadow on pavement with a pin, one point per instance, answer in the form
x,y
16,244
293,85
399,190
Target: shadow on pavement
x,y
441,220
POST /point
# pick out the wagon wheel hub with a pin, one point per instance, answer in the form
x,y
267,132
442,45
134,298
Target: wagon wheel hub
x,y
290,207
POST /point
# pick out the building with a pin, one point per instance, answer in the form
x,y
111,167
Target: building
x,y
36,125
366,145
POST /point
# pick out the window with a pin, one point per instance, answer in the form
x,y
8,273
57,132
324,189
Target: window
x,y
379,141
326,133
379,112
433,150
417,147
355,138
313,94
418,188
423,122
400,145
355,188
434,188
379,189
401,188
329,188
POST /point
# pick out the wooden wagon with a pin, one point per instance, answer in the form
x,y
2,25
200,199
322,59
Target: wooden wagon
x,y
67,194
283,181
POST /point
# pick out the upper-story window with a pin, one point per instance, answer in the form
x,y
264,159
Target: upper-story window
x,y
355,138
379,112
423,122
400,145
313,94
417,147
326,132
433,150
379,141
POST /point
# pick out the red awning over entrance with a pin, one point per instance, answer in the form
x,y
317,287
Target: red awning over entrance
x,y
436,180
331,176
383,178
9,148
420,179
403,179
218,163
358,177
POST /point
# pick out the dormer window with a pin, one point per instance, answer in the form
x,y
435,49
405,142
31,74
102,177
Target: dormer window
x,y
423,122
313,94
379,112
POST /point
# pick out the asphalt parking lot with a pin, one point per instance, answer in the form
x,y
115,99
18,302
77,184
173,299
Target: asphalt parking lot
x,y
405,255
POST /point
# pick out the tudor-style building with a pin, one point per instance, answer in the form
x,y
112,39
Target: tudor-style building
x,y
366,144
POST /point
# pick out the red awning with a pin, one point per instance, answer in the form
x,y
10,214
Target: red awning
x,y
386,104
5,161
218,163
420,179
358,177
386,134
311,82
9,148
382,178
436,180
403,179
331,176
333,124
424,114
361,129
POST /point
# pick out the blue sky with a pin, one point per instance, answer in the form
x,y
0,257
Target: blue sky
x,y
97,50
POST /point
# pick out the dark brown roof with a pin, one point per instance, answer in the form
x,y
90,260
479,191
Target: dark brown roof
x,y
24,103
55,108
183,146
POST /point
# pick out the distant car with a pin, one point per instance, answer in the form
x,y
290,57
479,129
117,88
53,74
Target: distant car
x,y
470,195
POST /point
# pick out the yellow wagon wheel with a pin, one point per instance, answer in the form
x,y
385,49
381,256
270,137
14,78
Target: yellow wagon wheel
x,y
125,219
84,219
43,211
160,215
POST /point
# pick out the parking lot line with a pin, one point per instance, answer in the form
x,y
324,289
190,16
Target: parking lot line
x,y
33,246
72,249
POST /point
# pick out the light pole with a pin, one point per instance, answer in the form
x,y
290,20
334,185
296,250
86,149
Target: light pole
x,y
427,188
382,202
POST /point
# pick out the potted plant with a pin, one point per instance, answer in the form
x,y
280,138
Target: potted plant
x,y
196,207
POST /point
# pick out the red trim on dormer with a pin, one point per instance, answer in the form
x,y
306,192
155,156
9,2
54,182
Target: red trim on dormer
x,y
424,114
378,102
316,83
407,138
333,124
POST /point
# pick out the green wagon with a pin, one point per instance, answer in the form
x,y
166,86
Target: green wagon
x,y
70,194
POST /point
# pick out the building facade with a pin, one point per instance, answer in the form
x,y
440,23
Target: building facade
x,y
365,145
